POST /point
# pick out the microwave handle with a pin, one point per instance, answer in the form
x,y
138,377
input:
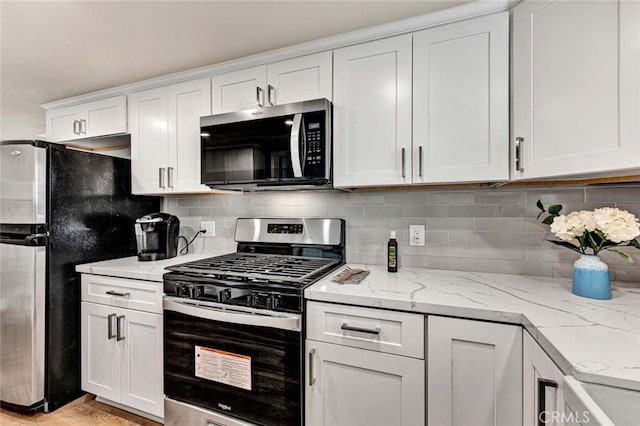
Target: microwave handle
x,y
295,145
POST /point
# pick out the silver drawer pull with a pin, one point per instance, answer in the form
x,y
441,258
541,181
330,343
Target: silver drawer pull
x,y
312,380
119,327
110,319
117,293
347,327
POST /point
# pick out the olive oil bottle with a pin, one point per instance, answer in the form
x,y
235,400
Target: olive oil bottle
x,y
392,253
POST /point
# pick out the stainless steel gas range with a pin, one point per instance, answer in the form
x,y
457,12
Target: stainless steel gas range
x,y
233,336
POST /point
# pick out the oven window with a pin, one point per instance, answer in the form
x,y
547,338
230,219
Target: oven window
x,y
275,365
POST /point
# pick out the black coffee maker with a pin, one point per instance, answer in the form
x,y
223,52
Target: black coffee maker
x,y
157,236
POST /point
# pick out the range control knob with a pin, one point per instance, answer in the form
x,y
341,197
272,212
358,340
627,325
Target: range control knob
x,y
224,295
178,290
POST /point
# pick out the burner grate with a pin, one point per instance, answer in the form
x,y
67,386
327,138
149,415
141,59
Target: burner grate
x,y
267,267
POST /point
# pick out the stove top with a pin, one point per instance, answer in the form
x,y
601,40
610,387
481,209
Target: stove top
x,y
275,260
259,267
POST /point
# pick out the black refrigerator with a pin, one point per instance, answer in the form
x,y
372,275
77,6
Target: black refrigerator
x,y
58,207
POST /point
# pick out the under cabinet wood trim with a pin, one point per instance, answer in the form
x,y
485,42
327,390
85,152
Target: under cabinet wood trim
x,y
409,25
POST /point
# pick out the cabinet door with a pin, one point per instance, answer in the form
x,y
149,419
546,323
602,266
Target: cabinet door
x,y
356,387
187,102
372,113
576,87
461,101
542,386
474,373
104,117
299,79
141,371
238,90
100,373
149,141
63,124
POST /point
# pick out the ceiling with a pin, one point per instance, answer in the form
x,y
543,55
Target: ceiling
x,y
51,50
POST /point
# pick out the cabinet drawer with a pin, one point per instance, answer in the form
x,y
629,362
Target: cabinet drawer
x,y
125,293
374,329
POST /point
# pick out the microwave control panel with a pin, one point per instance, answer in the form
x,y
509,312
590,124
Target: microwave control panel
x,y
315,146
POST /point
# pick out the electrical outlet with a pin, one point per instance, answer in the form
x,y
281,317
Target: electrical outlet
x,y
209,226
416,235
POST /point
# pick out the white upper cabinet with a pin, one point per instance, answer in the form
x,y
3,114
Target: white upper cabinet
x,y
187,102
299,79
149,139
304,78
92,119
372,113
238,90
576,88
165,137
474,373
461,101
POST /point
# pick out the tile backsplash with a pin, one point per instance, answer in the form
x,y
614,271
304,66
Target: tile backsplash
x,y
485,230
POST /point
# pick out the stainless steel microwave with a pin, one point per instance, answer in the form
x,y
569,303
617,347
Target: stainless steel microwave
x,y
278,147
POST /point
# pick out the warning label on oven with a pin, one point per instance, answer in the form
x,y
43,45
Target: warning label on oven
x,y
223,367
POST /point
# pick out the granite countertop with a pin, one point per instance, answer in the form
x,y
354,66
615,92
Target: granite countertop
x,y
595,341
131,267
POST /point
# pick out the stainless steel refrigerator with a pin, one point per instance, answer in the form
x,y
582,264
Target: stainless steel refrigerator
x,y
58,207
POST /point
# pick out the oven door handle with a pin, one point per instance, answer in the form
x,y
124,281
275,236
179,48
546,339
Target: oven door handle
x,y
225,314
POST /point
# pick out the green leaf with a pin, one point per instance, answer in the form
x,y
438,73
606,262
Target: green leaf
x,y
634,243
549,219
555,209
540,206
566,244
624,255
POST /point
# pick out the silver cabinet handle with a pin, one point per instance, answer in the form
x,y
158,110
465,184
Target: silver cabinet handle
x,y
403,162
312,380
420,161
347,327
161,172
170,177
270,90
543,384
119,335
110,319
259,97
519,165
76,127
116,293
83,126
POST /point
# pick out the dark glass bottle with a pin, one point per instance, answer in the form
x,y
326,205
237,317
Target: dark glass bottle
x,y
392,253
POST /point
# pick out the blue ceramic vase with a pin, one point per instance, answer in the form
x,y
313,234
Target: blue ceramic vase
x,y
591,278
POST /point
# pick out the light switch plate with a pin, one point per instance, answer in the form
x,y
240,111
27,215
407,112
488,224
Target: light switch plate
x,y
210,227
416,235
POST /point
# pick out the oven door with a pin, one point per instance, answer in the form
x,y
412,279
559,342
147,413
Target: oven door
x,y
237,361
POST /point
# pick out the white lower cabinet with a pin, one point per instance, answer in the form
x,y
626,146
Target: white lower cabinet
x,y
348,385
122,352
357,387
542,390
474,374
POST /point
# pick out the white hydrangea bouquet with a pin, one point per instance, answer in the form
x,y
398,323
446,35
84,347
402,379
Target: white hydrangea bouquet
x,y
606,228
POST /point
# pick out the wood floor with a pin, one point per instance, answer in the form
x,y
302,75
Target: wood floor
x,y
84,411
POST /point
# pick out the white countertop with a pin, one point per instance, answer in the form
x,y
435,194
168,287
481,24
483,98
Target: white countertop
x,y
131,267
595,341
